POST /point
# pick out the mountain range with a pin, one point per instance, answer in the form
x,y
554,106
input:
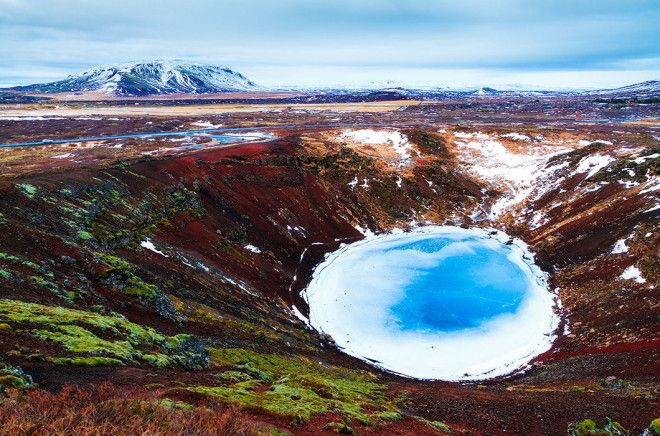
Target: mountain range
x,y
176,77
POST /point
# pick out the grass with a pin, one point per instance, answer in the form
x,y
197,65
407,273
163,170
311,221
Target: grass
x,y
105,409
78,333
296,387
436,425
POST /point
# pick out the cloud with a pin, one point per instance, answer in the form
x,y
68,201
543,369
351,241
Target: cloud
x,y
57,38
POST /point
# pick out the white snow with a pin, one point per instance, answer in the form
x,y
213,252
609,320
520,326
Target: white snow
x,y
633,273
358,320
299,314
252,248
652,186
62,156
365,231
205,124
517,136
365,183
619,247
584,142
654,208
150,246
592,164
512,173
641,159
395,139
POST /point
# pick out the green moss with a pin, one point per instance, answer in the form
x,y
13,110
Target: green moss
x,y
436,425
84,235
17,260
4,274
196,311
3,220
104,212
655,426
234,376
12,381
45,283
70,328
28,190
281,400
390,416
77,339
296,387
158,360
123,275
169,404
87,361
588,427
650,268
339,427
13,377
138,288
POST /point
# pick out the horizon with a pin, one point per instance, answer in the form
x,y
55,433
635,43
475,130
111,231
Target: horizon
x,y
365,86
507,44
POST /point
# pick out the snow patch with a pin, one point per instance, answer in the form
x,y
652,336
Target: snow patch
x,y
512,173
633,273
592,164
252,248
395,139
205,124
62,156
151,247
619,247
516,136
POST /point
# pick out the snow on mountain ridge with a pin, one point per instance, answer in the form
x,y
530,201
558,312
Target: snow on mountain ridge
x,y
150,78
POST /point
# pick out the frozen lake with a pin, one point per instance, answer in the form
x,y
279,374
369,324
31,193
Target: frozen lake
x,y
435,303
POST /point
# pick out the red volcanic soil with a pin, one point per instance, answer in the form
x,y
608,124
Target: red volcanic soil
x,y
290,197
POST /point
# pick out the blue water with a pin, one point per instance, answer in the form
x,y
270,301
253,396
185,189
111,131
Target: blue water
x,y
216,134
460,291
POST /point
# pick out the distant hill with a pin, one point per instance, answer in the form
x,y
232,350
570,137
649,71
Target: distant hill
x,y
151,78
643,90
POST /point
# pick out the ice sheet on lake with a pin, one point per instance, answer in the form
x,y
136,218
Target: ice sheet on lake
x,y
352,291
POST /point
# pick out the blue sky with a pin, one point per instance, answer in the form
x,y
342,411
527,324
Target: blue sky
x,y
461,43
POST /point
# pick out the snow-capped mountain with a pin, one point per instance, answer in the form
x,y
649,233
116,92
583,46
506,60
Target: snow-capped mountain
x,y
486,91
648,89
150,78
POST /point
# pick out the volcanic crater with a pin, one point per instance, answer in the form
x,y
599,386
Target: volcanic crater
x,y
138,261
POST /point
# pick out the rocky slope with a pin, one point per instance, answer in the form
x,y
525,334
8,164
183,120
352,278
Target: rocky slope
x,y
179,271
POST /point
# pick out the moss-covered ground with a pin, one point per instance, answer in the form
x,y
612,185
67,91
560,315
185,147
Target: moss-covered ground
x,y
90,339
297,387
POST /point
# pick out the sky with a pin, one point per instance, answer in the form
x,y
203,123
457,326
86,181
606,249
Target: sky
x,y
541,44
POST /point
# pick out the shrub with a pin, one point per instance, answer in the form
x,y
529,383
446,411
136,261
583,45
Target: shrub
x,y
106,409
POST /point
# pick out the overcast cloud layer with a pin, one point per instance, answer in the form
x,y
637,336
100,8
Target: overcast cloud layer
x,y
505,43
